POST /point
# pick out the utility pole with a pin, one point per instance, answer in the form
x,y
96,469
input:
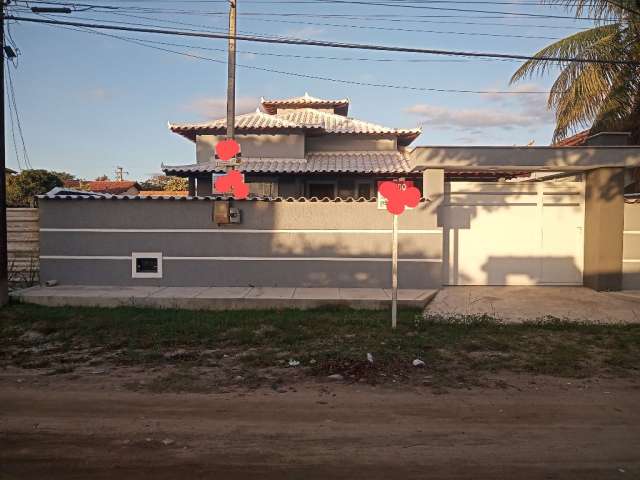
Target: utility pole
x,y
120,174
231,72
4,279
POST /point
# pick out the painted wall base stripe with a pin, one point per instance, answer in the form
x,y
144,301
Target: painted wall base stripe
x,y
224,259
236,230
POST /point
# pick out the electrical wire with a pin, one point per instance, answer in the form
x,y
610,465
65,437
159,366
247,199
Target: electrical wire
x,y
367,27
420,6
318,43
13,132
301,75
25,153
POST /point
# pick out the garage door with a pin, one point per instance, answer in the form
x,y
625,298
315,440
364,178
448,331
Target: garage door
x,y
513,233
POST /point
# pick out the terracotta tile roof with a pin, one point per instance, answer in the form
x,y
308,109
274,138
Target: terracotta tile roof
x,y
332,123
255,121
576,140
297,119
320,162
341,106
160,193
102,186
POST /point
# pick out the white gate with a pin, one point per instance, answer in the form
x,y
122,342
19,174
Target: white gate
x,y
513,233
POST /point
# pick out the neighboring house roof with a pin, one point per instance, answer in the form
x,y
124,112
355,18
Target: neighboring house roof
x,y
9,171
341,107
171,193
298,119
576,140
103,186
316,162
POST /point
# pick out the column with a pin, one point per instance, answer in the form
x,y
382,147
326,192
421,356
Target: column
x,y
603,228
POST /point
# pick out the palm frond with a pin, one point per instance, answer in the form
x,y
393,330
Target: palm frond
x,y
592,44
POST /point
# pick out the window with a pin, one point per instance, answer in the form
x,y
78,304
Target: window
x,y
364,189
264,188
322,189
146,265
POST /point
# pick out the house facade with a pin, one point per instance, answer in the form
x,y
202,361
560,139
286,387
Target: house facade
x,y
304,147
489,215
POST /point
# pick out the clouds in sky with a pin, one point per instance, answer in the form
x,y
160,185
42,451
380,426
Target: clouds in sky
x,y
501,112
98,94
213,108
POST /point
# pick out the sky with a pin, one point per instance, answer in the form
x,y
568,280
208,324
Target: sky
x,y
88,103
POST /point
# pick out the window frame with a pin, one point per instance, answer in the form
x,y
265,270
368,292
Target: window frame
x,y
371,185
136,255
333,183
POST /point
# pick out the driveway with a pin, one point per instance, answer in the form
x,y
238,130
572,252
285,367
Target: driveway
x,y
513,304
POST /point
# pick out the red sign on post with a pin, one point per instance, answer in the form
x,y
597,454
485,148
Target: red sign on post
x,y
399,195
233,181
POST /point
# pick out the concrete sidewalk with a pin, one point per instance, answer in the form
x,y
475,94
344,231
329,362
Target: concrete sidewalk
x,y
515,304
220,298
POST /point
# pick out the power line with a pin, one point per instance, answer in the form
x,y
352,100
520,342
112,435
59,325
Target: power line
x,y
13,133
368,27
439,32
25,153
318,43
144,43
316,2
312,57
363,17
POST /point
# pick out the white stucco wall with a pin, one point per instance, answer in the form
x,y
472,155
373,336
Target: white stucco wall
x,y
330,143
268,146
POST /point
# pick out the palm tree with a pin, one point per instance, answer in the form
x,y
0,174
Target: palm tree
x,y
598,96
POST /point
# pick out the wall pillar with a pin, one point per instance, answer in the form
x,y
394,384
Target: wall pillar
x,y
603,228
433,188
204,188
192,186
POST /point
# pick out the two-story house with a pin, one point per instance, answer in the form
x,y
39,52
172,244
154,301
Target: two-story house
x,y
301,147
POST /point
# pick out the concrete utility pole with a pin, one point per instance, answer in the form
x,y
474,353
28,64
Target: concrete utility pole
x,y
120,174
4,280
231,72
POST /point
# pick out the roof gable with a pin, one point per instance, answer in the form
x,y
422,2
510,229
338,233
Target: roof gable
x,y
340,107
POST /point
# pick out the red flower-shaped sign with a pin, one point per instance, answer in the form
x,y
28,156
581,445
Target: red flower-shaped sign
x,y
232,183
399,195
227,149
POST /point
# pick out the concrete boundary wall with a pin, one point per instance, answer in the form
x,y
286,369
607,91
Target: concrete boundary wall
x,y
278,244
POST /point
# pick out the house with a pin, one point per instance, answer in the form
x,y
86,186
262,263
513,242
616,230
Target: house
x,y
121,187
306,147
489,215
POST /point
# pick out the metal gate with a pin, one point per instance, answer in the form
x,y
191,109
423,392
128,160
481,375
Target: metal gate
x,y
513,233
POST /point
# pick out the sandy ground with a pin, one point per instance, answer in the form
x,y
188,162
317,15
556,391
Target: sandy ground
x,y
514,304
536,428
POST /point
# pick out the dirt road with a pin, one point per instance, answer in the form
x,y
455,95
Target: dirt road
x,y
535,428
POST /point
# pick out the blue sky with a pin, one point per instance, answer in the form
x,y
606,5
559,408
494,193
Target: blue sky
x,y
89,103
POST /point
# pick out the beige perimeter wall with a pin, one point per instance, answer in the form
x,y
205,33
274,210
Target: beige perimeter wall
x,y
305,244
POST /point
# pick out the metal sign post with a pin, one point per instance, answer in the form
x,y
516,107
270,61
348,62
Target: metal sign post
x,y
394,273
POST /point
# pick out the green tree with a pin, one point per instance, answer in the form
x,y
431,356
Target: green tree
x,y
599,96
23,187
164,182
